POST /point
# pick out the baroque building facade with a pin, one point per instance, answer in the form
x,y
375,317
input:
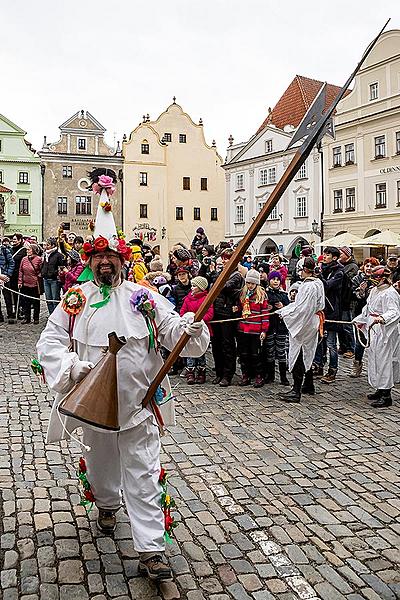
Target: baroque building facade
x,y
65,166
362,163
253,168
173,181
20,182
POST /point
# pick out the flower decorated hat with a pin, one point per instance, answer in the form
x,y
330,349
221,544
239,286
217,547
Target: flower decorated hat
x,y
103,182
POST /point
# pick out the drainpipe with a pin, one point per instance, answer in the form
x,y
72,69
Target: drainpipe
x,y
121,180
42,171
319,147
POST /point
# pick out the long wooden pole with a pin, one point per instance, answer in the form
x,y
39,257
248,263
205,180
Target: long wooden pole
x,y
299,158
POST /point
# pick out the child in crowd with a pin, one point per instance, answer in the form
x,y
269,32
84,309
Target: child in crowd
x,y
196,367
276,342
182,288
69,274
253,329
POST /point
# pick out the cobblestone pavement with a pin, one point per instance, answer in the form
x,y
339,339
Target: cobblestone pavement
x,y
275,501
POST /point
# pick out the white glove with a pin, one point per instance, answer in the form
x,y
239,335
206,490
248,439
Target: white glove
x,y
191,328
80,369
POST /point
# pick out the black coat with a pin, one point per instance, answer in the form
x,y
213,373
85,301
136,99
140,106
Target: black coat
x,y
332,278
276,324
179,293
229,297
350,270
18,253
50,266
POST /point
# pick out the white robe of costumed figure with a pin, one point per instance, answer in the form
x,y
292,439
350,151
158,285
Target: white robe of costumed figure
x,y
128,459
383,352
302,321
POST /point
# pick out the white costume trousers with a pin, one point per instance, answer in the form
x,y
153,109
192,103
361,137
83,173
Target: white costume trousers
x,y
129,461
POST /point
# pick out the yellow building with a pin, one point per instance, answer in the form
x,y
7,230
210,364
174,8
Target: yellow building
x,y
362,164
173,182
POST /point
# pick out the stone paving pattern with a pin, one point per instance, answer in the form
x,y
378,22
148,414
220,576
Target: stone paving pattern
x,y
275,501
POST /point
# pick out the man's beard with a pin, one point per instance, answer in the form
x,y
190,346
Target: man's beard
x,y
110,278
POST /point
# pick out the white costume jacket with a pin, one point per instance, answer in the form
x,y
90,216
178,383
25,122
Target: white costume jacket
x,y
302,321
136,365
383,352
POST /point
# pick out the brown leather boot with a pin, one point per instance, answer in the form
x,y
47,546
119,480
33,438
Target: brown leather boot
x,y
191,376
201,375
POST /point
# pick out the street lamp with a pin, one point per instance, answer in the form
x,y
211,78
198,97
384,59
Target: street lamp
x,y
315,229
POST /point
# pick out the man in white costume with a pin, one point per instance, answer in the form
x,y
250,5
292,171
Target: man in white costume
x,y
128,460
380,317
303,318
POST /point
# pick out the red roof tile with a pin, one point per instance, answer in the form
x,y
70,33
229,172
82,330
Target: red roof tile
x,y
4,190
296,100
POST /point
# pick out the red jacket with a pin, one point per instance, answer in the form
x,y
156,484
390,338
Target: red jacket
x,y
70,278
191,303
29,269
258,324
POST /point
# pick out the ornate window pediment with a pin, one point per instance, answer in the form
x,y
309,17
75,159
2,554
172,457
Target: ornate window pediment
x,y
239,200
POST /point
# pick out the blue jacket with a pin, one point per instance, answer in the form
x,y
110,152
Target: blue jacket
x,y
6,261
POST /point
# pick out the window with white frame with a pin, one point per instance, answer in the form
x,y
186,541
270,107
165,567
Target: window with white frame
x,y
398,193
350,199
240,181
380,195
380,146
62,205
373,91
337,156
397,142
337,201
239,217
274,214
83,205
302,172
23,177
268,146
260,205
349,154
301,206
263,176
272,175
23,206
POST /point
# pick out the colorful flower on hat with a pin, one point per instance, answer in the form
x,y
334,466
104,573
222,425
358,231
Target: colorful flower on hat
x,y
106,183
73,301
106,206
100,243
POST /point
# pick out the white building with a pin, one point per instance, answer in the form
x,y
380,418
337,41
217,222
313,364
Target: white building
x,y
362,164
254,167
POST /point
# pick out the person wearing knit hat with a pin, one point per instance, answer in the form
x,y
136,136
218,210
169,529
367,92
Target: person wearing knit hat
x,y
196,367
346,331
122,463
276,341
252,329
276,264
252,276
156,264
182,257
200,282
199,241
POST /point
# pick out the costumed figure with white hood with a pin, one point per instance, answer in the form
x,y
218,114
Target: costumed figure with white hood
x,y
75,339
304,320
379,322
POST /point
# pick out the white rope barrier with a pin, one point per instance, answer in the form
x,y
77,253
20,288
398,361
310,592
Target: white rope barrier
x,y
4,287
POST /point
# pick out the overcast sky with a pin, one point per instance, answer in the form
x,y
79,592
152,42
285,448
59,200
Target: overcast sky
x,y
226,61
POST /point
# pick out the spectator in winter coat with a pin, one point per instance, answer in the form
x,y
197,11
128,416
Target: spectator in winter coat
x,y
18,251
346,332
362,286
7,266
199,241
276,343
29,283
52,263
224,338
69,274
182,288
277,265
182,257
253,329
196,367
332,277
